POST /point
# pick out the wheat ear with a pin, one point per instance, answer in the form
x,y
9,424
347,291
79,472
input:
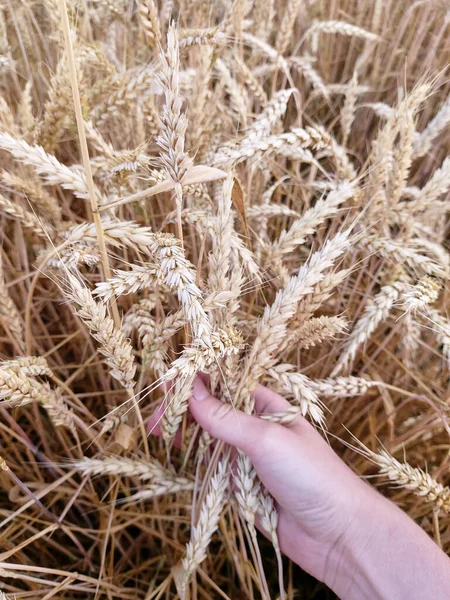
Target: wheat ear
x,y
10,314
375,312
316,330
308,222
117,351
208,520
27,219
148,14
172,269
272,326
46,165
426,291
30,366
342,386
34,191
173,122
269,522
298,387
412,478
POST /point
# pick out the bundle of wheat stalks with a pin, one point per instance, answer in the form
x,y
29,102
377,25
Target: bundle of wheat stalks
x,y
255,190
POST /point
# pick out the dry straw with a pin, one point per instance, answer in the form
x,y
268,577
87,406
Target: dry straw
x,y
239,189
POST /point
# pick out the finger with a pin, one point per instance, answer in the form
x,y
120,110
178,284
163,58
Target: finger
x,y
154,423
224,422
268,401
204,377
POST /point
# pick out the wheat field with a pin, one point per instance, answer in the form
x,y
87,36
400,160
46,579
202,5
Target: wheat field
x,y
256,190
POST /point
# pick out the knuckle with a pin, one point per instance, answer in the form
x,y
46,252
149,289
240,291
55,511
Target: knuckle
x,y
216,417
222,411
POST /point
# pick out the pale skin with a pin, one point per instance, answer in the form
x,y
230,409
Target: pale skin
x,y
331,523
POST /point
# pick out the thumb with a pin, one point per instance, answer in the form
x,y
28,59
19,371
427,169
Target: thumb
x,y
225,422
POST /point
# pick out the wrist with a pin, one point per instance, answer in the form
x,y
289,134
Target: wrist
x,y
346,561
384,554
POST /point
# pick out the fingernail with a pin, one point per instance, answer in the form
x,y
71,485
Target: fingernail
x,y
199,389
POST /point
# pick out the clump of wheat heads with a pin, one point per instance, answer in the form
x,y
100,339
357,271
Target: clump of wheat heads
x,y
239,189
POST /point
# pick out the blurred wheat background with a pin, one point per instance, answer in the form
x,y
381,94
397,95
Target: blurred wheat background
x,y
257,190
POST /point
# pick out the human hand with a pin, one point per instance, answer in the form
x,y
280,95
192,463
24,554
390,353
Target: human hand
x,y
331,523
319,499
